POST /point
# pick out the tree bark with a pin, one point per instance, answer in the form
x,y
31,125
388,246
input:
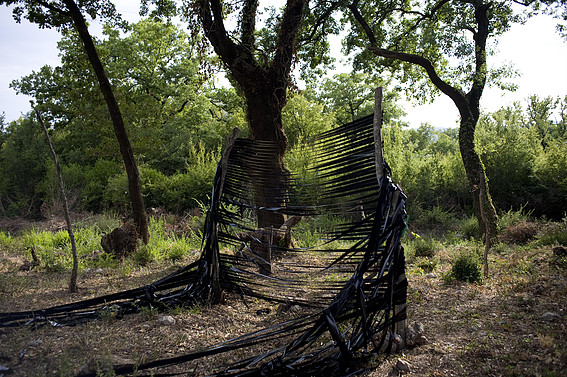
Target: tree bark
x,y
75,269
134,186
264,86
476,176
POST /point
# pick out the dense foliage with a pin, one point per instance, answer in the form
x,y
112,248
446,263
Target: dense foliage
x,y
178,120
524,153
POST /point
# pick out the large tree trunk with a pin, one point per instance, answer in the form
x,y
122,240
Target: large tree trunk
x,y
270,187
264,85
134,186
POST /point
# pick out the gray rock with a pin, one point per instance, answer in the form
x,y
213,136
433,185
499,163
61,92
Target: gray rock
x,y
431,275
283,307
166,320
93,271
117,360
403,366
398,343
35,343
550,317
415,335
295,309
85,370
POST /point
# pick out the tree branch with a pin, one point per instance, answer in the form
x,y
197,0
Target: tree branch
x,y
290,24
321,22
248,24
455,94
363,24
53,8
210,13
429,15
182,106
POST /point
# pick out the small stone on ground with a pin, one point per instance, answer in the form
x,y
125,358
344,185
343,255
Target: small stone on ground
x,y
167,320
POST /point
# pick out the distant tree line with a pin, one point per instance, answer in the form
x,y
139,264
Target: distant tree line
x,y
177,119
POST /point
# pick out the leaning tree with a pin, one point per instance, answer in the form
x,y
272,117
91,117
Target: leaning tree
x,y
451,41
63,14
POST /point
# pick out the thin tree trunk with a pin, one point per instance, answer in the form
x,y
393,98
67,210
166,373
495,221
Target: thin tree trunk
x,y
134,186
487,230
476,176
74,271
377,124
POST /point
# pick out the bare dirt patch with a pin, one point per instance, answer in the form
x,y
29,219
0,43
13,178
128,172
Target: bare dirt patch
x,y
514,324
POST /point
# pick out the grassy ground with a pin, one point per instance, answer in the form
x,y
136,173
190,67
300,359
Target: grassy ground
x,y
500,326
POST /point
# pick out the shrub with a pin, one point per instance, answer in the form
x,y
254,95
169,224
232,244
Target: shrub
x,y
116,192
176,193
467,268
97,178
550,169
177,251
435,218
553,234
427,264
143,256
425,247
6,240
469,228
512,218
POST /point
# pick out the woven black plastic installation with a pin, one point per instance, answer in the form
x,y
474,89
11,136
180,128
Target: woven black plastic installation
x,y
349,280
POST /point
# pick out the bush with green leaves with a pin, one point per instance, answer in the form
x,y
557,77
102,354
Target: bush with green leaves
x,y
97,178
467,267
23,160
427,265
435,218
175,193
552,174
425,247
165,245
553,234
513,217
427,164
508,150
7,242
469,228
54,249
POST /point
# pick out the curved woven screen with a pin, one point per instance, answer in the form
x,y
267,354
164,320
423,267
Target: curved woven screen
x,y
348,273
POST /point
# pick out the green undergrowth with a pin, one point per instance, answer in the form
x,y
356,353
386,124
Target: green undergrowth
x,y
455,253
53,248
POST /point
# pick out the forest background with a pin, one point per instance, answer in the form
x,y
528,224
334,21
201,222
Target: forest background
x,y
178,118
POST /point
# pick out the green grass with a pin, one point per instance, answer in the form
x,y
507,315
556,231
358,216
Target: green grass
x,y
553,234
54,248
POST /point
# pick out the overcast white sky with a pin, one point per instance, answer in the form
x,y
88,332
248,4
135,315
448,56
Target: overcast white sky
x,y
535,49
